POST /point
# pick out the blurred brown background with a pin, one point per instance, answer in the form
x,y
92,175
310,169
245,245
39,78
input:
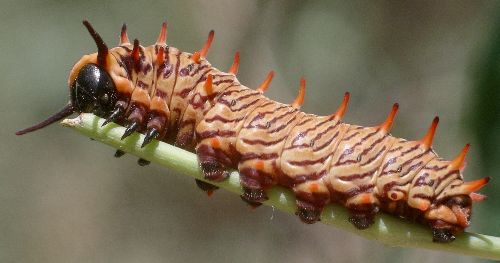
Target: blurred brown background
x,y
64,198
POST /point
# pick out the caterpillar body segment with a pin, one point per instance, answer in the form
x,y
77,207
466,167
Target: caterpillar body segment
x,y
180,98
306,160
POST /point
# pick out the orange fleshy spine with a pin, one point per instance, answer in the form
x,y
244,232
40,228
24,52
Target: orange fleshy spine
x,y
387,125
196,57
162,37
459,161
477,197
204,51
123,36
475,185
265,84
299,100
429,137
208,85
206,47
160,57
339,114
236,64
136,55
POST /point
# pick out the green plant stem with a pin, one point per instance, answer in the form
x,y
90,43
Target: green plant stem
x,y
387,229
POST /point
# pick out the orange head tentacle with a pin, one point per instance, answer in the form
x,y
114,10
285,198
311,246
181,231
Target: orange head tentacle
x,y
299,100
339,114
123,36
265,85
387,124
429,137
162,37
236,64
208,85
459,161
475,185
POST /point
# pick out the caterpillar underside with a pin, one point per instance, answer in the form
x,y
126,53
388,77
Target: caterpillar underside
x,y
178,97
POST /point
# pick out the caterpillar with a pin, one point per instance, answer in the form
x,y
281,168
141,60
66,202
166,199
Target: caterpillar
x,y
180,98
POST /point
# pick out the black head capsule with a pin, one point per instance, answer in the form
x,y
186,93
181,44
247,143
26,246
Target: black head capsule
x,y
93,91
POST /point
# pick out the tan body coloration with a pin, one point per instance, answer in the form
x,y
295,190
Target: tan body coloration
x,y
179,97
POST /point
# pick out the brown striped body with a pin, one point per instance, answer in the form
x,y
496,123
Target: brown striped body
x,y
179,97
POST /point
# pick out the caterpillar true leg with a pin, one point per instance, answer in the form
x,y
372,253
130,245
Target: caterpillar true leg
x,y
140,100
159,112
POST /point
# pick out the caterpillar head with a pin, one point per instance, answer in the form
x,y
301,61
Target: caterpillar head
x,y
92,89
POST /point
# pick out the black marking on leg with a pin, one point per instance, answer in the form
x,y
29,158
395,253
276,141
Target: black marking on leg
x,y
213,170
143,162
254,197
253,192
307,212
150,135
207,187
361,220
132,127
442,235
119,153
